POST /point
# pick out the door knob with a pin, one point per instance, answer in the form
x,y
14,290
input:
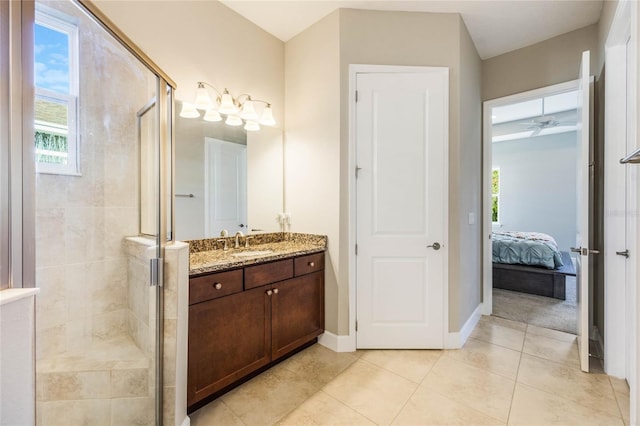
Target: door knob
x,y
435,246
217,286
269,292
584,251
623,253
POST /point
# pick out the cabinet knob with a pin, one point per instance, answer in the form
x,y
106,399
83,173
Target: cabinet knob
x,y
312,264
275,291
217,286
269,292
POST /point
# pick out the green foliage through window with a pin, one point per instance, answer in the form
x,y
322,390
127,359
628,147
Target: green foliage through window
x,y
495,194
51,148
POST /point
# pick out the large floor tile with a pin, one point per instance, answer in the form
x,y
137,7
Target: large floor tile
x,y
427,407
534,407
268,397
554,334
552,349
619,385
215,413
494,358
372,391
623,404
591,390
509,334
477,388
410,364
318,364
322,409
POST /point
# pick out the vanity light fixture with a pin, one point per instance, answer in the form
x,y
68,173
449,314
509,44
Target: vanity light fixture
x,y
236,109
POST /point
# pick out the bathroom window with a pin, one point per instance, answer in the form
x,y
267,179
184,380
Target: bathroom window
x,y
56,94
495,196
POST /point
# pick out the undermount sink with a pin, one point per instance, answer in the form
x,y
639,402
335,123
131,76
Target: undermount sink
x,y
252,253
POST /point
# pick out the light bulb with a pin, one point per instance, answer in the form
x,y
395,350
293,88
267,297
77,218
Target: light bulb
x,y
212,115
267,116
251,126
227,106
203,101
248,111
189,111
233,120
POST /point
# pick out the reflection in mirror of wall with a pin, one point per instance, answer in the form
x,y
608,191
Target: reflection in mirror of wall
x,y
198,205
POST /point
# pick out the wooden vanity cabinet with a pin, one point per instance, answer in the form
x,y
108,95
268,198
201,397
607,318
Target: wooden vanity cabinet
x,y
234,335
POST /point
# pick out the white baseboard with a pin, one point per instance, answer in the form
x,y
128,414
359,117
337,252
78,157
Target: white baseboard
x,y
336,343
186,421
457,339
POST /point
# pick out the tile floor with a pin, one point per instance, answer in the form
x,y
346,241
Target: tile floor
x,y
507,373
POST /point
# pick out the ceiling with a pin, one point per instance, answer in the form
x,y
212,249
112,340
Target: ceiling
x,y
496,26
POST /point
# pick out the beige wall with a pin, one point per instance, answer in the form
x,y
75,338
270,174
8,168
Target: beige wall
x,y
469,187
543,64
205,41
312,149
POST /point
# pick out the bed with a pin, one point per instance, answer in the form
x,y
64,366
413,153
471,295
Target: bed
x,y
530,262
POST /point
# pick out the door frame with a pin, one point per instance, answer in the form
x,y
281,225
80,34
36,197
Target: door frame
x,y
354,70
621,329
487,161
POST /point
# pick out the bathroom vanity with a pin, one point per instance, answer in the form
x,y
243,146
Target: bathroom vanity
x,y
251,307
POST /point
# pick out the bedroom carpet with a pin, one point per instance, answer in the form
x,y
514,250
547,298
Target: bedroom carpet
x,y
538,310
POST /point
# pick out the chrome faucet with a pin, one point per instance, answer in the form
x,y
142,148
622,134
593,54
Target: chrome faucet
x,y
238,234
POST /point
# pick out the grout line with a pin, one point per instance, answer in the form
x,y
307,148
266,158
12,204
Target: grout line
x,y
515,381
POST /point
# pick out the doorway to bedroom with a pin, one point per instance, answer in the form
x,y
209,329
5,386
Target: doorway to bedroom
x,y
533,212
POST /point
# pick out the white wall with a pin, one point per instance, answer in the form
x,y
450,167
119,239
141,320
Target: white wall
x,y
538,185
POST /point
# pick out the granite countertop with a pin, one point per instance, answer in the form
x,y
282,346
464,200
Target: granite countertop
x,y
206,257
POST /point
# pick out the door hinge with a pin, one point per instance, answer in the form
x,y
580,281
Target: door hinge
x,y
356,96
356,249
156,272
358,171
356,325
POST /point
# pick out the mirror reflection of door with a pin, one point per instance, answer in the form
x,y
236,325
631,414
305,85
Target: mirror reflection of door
x,y
225,168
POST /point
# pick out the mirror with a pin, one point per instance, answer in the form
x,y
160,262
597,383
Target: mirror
x,y
226,178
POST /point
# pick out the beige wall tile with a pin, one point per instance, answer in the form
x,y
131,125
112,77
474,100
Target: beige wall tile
x,y
77,413
132,412
130,383
75,385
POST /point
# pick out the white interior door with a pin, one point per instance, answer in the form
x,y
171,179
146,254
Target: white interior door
x,y
401,146
582,236
225,174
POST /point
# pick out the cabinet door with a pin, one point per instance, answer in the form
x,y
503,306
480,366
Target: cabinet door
x,y
297,312
229,338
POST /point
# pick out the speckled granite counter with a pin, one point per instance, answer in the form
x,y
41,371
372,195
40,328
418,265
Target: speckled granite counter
x,y
206,256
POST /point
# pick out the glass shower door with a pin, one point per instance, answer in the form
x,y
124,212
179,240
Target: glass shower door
x,y
101,177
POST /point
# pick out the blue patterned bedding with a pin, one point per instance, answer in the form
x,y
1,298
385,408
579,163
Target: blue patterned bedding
x,y
526,248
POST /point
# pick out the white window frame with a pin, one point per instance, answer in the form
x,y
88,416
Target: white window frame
x,y
55,21
497,223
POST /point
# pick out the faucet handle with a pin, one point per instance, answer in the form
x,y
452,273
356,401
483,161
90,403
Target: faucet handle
x,y
246,241
224,233
223,240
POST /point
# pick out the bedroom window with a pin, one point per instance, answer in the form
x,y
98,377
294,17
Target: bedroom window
x,y
56,94
495,195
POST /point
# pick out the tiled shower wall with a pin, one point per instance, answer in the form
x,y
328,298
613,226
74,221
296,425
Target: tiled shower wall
x,y
81,220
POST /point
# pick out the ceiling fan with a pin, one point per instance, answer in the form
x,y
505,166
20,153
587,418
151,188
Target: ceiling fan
x,y
544,122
